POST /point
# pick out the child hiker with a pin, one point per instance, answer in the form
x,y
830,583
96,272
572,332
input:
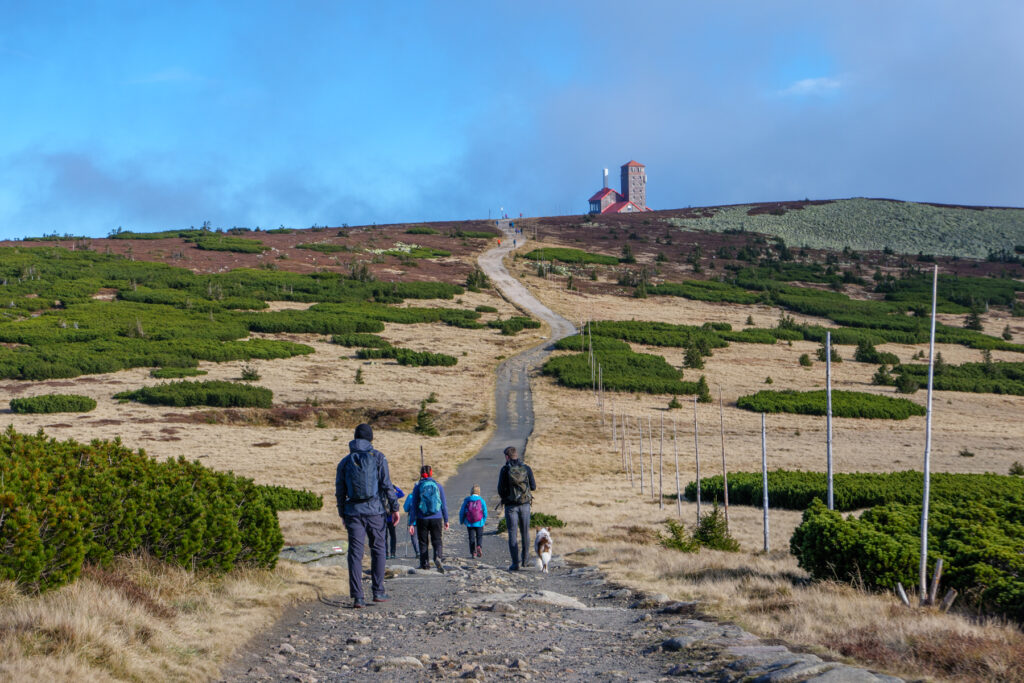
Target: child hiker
x,y
412,526
473,516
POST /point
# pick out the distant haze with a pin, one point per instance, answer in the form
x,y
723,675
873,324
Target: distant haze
x,y
160,116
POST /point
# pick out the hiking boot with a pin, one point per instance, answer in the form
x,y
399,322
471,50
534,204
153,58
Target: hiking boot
x,y
383,597
358,604
513,568
437,563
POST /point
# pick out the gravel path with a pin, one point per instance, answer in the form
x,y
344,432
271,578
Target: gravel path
x,y
478,621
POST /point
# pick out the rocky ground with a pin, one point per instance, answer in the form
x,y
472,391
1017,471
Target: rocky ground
x,y
479,621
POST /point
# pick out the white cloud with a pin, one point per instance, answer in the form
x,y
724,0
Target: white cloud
x,y
813,86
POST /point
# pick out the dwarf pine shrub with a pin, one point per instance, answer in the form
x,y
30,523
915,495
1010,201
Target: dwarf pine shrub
x,y
53,403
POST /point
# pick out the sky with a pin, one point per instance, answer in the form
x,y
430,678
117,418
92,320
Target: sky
x,y
157,116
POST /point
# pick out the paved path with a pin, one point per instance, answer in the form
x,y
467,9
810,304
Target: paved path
x,y
477,621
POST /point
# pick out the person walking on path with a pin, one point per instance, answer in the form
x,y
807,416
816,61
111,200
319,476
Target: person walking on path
x,y
473,516
412,526
365,496
429,515
515,483
392,533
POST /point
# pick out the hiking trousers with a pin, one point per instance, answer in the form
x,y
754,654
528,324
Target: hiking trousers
x,y
363,528
429,532
517,517
476,539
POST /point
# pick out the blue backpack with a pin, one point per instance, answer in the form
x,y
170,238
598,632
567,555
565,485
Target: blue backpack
x,y
430,498
361,477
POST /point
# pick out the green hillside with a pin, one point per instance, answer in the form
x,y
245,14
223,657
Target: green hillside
x,y
865,224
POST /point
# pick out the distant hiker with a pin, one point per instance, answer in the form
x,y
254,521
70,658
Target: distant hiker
x,y
365,496
392,533
473,516
429,515
514,486
412,526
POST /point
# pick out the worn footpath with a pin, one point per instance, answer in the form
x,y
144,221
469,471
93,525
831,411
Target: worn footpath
x,y
476,620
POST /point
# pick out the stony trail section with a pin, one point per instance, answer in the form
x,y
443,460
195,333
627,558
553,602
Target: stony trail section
x,y
478,621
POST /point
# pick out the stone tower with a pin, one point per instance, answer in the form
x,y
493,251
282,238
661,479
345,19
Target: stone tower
x,y
634,184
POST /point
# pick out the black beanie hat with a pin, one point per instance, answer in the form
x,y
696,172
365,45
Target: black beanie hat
x,y
364,431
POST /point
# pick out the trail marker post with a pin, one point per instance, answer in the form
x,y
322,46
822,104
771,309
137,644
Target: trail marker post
x,y
696,454
828,415
640,423
923,569
725,473
675,451
650,443
661,455
764,481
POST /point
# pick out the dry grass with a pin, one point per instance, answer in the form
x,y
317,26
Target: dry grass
x,y
145,620
580,480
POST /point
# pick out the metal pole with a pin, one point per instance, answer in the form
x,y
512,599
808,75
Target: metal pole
x,y
696,454
828,414
650,442
764,481
725,473
628,450
640,424
421,457
661,454
675,451
923,578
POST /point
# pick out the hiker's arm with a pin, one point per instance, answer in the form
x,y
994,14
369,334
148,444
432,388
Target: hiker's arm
x,y
533,484
444,506
503,483
387,487
339,490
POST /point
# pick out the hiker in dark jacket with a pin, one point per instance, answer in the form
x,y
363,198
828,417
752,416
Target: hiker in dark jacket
x,y
429,514
365,497
515,482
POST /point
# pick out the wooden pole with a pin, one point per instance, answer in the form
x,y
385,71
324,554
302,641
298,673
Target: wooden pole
x,y
675,451
661,455
629,452
622,443
828,416
725,472
421,457
902,594
934,590
923,569
696,454
764,481
615,439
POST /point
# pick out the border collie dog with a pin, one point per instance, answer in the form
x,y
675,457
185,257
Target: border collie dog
x,y
543,547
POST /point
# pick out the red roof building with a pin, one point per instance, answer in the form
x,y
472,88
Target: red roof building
x,y
632,199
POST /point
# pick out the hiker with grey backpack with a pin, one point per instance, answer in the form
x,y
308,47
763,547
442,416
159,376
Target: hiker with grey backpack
x,y
515,484
365,496
428,516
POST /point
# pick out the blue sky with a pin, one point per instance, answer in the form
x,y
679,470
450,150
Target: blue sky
x,y
155,116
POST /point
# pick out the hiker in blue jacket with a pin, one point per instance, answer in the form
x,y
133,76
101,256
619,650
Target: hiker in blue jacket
x,y
365,496
391,531
429,515
473,516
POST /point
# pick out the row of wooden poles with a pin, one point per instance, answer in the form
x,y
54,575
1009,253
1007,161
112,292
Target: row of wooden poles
x,y
621,432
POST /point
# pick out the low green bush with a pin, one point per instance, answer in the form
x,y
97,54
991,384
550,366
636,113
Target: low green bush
x,y
844,404
421,230
215,242
981,378
63,503
408,356
623,371
794,489
566,255
513,325
175,373
323,247
485,309
283,498
982,547
367,341
53,403
209,393
538,520
476,234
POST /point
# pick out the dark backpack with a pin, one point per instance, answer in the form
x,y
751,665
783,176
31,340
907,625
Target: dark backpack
x,y
430,498
474,511
361,477
519,484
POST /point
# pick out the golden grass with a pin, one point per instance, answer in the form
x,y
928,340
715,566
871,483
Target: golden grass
x,y
580,480
145,620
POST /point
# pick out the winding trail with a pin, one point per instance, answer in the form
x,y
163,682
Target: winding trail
x,y
477,621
